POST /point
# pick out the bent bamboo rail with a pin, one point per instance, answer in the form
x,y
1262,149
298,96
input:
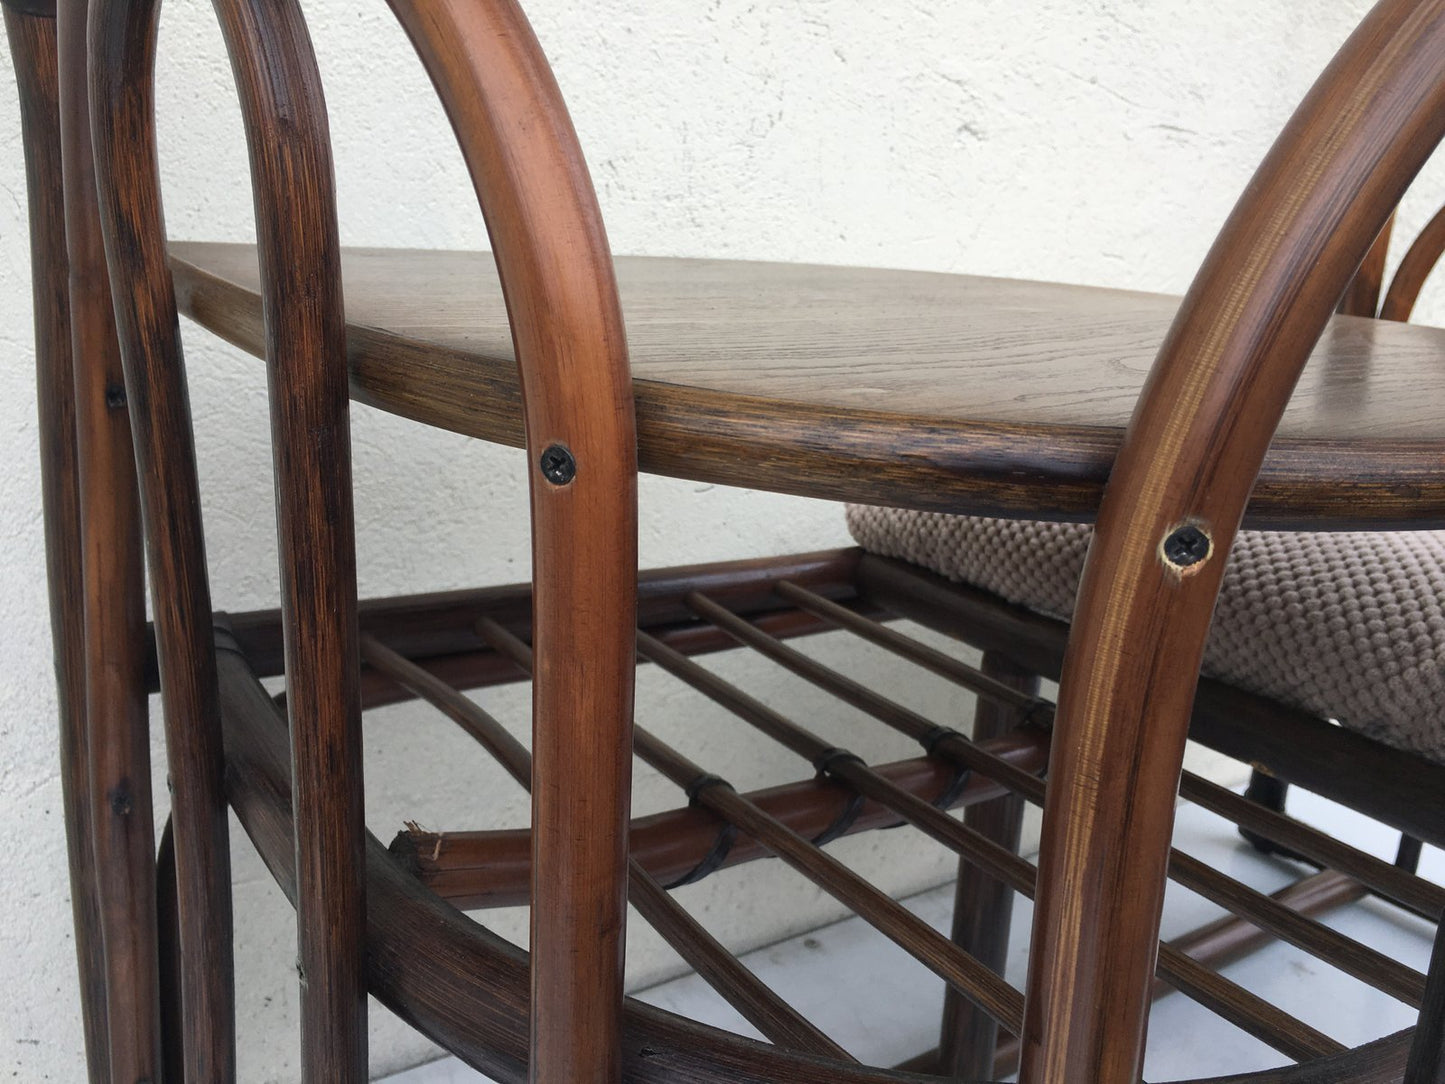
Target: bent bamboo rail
x,y
556,271
1170,513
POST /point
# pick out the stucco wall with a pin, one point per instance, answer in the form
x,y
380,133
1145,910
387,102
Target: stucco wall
x,y
1099,142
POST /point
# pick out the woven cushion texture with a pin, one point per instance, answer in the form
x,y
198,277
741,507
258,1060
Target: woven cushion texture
x,y
1345,626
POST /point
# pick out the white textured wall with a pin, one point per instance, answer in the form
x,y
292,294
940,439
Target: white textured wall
x,y
1097,141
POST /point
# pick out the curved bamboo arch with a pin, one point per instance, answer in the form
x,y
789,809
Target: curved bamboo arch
x,y
1193,449
32,32
572,356
149,338
285,120
556,272
1419,260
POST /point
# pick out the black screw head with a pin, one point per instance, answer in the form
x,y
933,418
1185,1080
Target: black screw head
x,y
115,396
1186,545
557,464
120,801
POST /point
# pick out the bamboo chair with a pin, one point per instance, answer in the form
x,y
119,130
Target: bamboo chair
x,y
552,368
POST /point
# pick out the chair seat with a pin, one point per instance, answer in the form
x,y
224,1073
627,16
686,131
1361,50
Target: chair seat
x,y
1347,626
939,392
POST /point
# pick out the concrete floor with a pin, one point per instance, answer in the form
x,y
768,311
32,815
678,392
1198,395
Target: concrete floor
x,y
893,1015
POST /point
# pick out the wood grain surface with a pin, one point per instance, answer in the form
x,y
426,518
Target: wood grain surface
x,y
195,881
118,738
1195,443
284,113
570,350
945,392
32,39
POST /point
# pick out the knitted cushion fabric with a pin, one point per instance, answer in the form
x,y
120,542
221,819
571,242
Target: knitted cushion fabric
x,y
1345,626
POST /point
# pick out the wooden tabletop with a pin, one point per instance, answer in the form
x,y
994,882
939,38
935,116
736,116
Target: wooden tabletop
x,y
943,392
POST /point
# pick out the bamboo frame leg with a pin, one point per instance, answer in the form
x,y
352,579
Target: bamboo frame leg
x,y
33,47
1174,500
1271,792
284,113
983,905
1427,1054
1407,855
169,956
198,887
124,840
1362,296
571,348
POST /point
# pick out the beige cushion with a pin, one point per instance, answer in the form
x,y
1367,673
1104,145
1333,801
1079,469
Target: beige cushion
x,y
1346,626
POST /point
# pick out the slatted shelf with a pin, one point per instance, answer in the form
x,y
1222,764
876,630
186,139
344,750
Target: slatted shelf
x,y
847,794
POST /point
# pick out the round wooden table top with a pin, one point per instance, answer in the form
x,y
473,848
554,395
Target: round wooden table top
x,y
931,391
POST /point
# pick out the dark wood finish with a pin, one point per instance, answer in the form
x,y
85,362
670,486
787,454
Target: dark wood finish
x,y
1249,1013
1222,996
1427,1055
1343,952
284,113
1415,267
1384,783
467,988
888,916
845,766
474,869
511,754
887,387
1214,945
1362,295
982,905
757,1003
935,739
1176,968
1231,938
571,357
1272,1025
123,844
1264,789
941,663
1383,878
1396,788
1380,1062
1367,964
1264,1021
128,185
443,623
476,669
711,405
168,956
32,40
1195,446
957,968
446,621
965,612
